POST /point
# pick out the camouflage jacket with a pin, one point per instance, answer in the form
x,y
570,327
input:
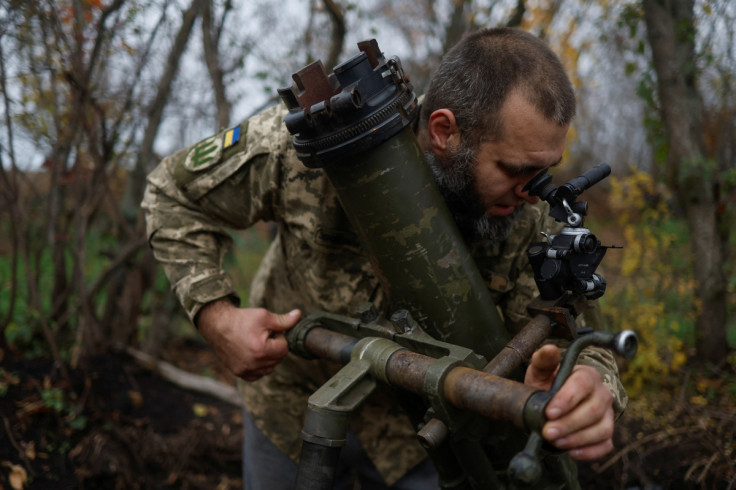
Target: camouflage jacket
x,y
250,173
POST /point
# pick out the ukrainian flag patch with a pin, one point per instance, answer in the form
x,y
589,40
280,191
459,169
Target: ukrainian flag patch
x,y
232,136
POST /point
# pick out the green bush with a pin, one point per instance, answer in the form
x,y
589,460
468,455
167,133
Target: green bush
x,y
655,294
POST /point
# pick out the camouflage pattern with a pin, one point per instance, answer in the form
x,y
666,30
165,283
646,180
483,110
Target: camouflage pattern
x,y
315,263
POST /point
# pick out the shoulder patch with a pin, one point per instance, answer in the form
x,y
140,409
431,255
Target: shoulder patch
x,y
204,154
205,165
211,151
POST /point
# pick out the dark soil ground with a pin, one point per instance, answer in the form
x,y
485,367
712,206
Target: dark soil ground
x,y
129,428
141,431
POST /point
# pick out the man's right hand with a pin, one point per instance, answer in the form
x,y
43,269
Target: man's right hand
x,y
250,342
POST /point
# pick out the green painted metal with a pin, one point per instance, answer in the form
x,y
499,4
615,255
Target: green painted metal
x,y
415,247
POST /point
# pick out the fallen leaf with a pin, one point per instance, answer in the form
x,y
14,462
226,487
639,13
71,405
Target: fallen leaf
x,y
698,400
8,377
18,477
173,476
703,385
30,450
136,398
200,409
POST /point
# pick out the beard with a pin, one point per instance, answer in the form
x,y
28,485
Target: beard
x,y
454,176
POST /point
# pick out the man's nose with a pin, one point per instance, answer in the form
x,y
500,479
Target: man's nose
x,y
525,195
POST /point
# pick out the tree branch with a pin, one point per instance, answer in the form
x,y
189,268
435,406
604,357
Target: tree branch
x,y
518,15
136,182
457,26
338,32
185,379
210,37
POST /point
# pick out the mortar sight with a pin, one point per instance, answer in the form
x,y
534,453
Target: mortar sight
x,y
364,102
567,261
562,200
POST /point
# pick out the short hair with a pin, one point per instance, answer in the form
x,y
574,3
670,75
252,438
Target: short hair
x,y
476,76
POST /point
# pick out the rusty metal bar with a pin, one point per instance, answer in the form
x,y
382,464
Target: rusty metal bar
x,y
488,395
513,355
326,344
521,347
485,394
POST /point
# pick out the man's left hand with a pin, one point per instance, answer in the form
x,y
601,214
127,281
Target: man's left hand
x,y
580,416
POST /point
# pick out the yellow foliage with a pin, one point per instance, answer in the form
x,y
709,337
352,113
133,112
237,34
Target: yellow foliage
x,y
539,15
653,299
698,400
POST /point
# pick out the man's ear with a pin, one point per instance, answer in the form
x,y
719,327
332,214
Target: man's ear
x,y
443,131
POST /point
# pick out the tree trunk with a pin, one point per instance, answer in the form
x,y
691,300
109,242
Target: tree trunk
x,y
210,43
337,39
137,179
458,24
518,15
125,290
671,35
710,278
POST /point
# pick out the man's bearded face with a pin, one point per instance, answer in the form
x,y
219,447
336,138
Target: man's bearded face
x,y
455,178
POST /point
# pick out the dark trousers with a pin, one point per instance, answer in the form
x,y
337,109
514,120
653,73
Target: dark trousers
x,y
265,467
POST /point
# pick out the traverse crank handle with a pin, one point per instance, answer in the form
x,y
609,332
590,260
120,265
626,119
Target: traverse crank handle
x,y
525,467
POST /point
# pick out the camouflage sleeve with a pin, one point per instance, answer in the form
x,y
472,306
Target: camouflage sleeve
x,y
603,361
228,180
189,245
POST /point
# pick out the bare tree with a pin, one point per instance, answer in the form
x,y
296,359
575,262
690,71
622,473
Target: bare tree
x,y
145,159
337,37
692,173
211,35
459,23
85,118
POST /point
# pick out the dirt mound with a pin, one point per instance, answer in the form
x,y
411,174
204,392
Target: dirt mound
x,y
128,429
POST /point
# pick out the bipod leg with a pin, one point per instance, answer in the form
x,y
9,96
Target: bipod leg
x,y
326,422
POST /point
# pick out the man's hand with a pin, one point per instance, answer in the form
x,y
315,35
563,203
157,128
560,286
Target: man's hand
x,y
580,415
249,341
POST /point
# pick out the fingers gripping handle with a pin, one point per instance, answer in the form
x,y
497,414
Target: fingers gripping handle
x,y
624,344
525,467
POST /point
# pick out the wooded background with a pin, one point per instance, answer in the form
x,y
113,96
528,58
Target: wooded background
x,y
95,92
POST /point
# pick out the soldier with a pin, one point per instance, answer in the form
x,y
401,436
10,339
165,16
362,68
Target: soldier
x,y
497,112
